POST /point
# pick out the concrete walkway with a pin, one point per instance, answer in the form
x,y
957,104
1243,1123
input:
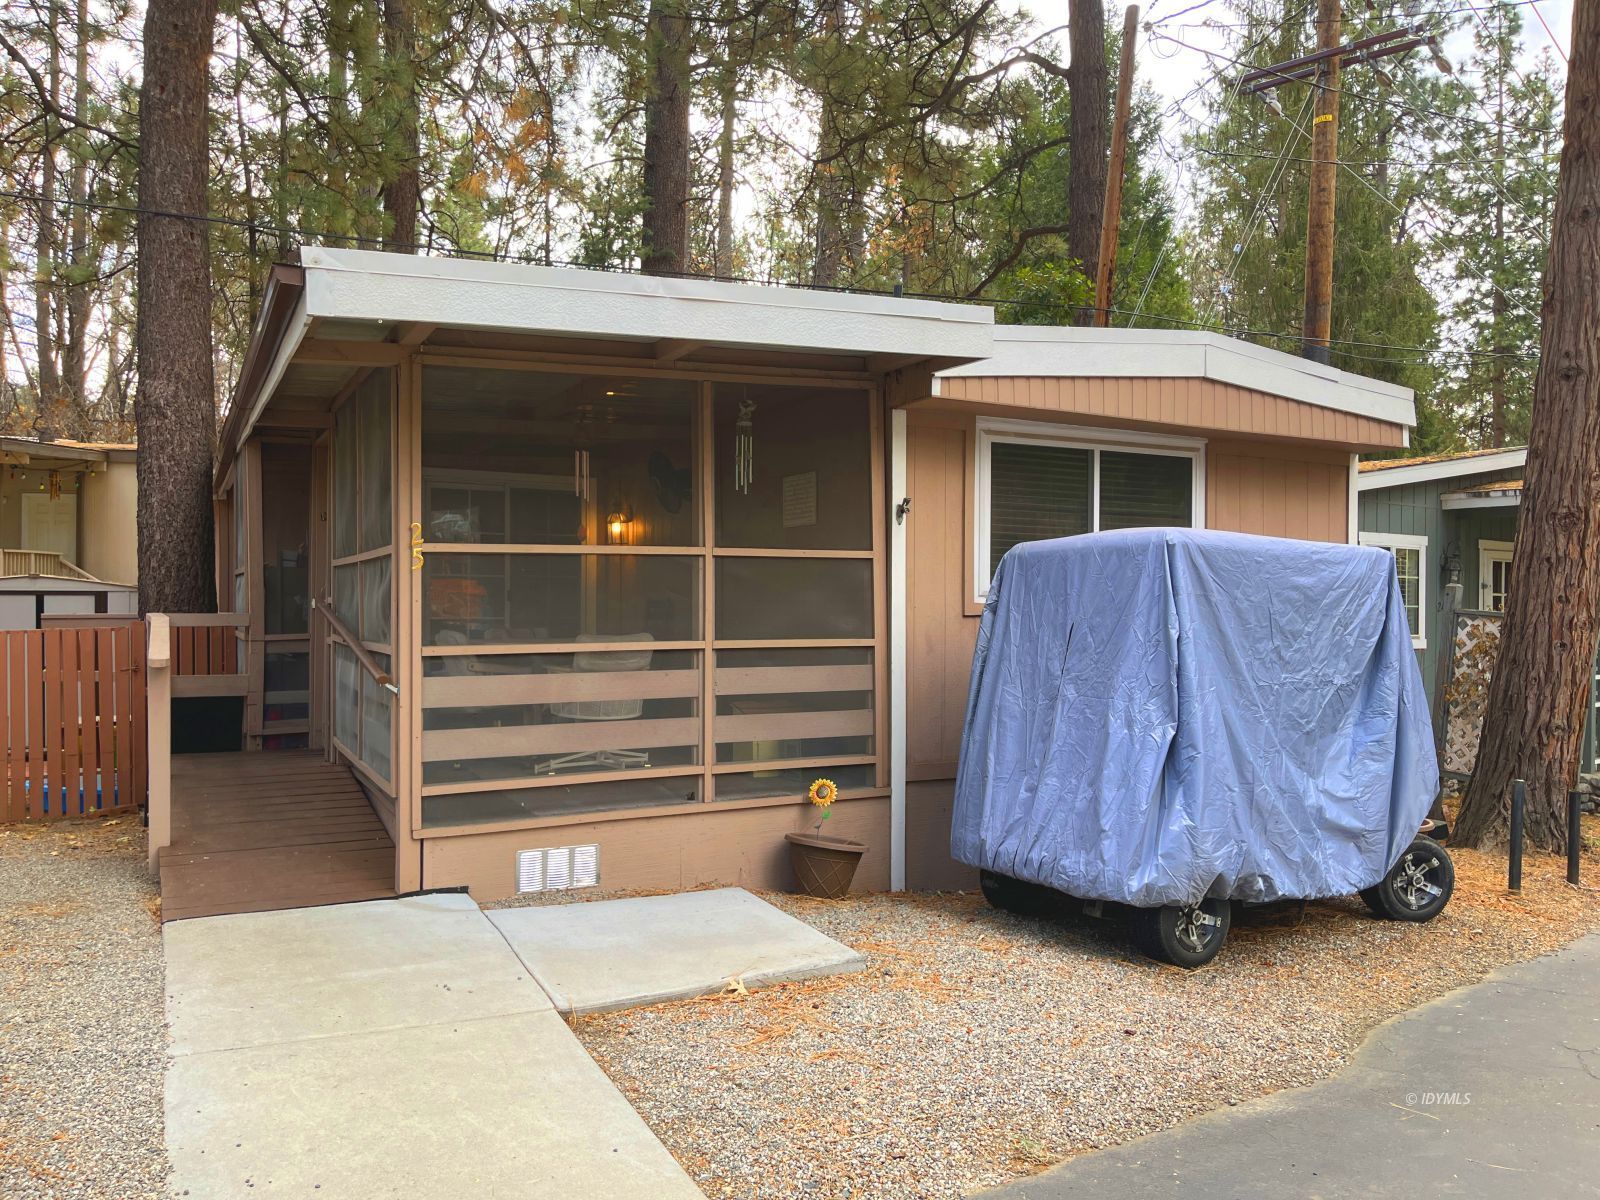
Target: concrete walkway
x,y
402,1048
1491,1092
389,1049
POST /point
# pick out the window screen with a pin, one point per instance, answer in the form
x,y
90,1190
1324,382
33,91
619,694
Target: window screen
x,y
1036,492
1145,489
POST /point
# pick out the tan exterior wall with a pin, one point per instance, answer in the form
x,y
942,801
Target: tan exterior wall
x,y
1281,489
929,867
1190,404
735,846
108,533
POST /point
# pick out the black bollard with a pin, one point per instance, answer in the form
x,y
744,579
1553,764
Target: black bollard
x,y
1519,803
1574,835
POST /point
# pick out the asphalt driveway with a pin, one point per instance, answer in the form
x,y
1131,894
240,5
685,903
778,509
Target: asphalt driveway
x,y
1490,1092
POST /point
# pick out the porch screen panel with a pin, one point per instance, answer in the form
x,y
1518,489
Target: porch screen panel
x,y
563,593
548,716
795,590
363,568
636,587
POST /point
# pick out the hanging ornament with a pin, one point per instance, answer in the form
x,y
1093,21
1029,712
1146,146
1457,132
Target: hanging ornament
x,y
54,490
744,447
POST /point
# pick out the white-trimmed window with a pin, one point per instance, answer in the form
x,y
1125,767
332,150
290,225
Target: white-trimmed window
x,y
1410,552
1037,481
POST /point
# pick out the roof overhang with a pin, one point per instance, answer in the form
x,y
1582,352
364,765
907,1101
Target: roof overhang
x,y
371,296
26,451
1046,352
1487,496
1445,468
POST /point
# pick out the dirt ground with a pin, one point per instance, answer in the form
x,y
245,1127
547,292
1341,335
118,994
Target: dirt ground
x,y
82,1025
978,1047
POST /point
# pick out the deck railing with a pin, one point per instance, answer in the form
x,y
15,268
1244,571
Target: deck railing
x,y
187,654
41,562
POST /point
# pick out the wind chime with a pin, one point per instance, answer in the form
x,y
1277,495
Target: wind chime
x,y
744,447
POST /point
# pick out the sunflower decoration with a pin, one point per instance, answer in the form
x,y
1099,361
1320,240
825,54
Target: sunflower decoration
x,y
823,793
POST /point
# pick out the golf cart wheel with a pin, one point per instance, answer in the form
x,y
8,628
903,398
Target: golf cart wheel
x,y
1016,895
1188,935
1417,887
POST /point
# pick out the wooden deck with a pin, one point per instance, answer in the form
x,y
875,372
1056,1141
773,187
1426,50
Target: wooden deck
x,y
268,830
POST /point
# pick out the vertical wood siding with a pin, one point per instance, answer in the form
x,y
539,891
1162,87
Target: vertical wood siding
x,y
1194,403
1281,491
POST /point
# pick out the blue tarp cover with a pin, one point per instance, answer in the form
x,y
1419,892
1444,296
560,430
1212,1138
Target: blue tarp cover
x,y
1161,715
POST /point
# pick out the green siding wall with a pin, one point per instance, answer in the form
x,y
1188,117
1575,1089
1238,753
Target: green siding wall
x,y
1415,509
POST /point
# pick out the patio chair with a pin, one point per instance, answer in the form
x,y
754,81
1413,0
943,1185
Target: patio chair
x,y
590,662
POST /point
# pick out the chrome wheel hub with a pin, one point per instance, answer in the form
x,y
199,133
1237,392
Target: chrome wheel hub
x,y
1196,928
1413,880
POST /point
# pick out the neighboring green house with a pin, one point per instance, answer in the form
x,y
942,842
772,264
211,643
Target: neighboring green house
x,y
1450,520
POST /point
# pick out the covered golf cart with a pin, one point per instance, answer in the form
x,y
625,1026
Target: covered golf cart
x,y
1174,720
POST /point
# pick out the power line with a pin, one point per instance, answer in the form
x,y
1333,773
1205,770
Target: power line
x,y
1354,95
1061,307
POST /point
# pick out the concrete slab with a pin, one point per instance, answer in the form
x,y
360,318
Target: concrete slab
x,y
258,978
391,1049
500,1108
612,954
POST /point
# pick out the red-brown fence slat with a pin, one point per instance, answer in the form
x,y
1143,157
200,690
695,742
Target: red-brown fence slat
x,y
34,700
106,731
71,725
122,692
137,715
183,647
89,727
52,748
15,806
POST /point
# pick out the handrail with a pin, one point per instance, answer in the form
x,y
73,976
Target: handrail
x,y
363,655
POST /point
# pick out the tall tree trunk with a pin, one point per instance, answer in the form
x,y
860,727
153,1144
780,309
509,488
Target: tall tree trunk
x,y
402,193
47,400
1088,90
75,353
828,257
175,407
666,140
725,180
1538,697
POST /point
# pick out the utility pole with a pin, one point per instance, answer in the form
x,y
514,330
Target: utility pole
x,y
1111,213
1318,326
1322,69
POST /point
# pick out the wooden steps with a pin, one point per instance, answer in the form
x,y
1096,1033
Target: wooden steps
x,y
253,832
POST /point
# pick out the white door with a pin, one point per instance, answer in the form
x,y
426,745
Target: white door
x,y
50,524
1494,575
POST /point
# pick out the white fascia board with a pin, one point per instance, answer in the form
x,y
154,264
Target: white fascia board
x,y
1063,352
514,297
293,334
1448,468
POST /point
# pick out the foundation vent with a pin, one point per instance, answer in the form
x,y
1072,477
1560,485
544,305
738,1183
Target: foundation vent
x,y
558,868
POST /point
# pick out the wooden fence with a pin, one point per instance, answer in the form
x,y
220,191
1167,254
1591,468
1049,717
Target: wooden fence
x,y
74,725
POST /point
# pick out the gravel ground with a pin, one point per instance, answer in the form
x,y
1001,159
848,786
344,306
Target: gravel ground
x,y
978,1047
82,1037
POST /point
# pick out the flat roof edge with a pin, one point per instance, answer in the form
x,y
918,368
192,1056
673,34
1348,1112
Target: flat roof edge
x,y
1062,352
515,297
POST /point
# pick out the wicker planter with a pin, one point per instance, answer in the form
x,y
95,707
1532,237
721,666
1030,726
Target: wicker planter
x,y
824,865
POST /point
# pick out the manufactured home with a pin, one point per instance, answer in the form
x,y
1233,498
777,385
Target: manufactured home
x,y
545,578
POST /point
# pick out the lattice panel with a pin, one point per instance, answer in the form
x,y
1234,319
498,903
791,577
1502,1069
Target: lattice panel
x,y
1473,650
